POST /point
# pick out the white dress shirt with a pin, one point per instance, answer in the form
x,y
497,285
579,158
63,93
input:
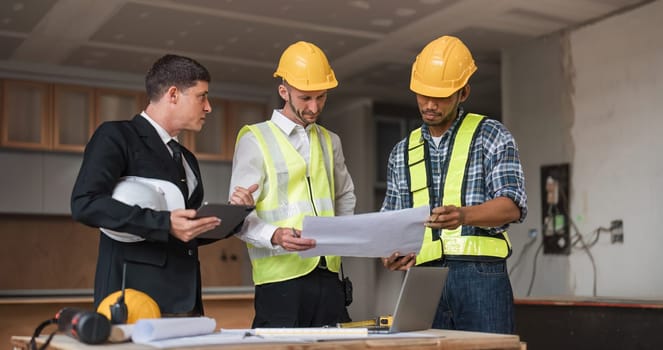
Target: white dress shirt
x,y
247,169
191,179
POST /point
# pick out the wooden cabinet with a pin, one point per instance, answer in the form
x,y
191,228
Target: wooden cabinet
x,y
61,117
244,113
116,105
26,114
216,141
211,142
72,117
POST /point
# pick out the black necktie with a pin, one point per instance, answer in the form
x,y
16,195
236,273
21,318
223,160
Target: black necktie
x,y
177,157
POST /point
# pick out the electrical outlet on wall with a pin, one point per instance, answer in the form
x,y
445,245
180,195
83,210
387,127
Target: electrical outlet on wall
x,y
617,231
555,184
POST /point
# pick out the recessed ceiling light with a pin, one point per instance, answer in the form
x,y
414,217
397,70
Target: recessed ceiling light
x,y
183,33
18,6
382,22
404,12
232,40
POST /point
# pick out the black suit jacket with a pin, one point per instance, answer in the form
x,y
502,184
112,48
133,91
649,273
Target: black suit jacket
x,y
162,266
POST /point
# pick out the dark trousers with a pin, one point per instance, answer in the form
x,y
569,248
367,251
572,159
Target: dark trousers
x,y
314,300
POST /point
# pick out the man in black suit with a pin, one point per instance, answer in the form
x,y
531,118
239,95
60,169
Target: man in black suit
x,y
164,264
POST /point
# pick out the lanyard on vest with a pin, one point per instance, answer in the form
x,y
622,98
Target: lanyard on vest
x,y
450,242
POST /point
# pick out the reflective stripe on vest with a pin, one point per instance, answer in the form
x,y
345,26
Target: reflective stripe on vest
x,y
291,195
453,243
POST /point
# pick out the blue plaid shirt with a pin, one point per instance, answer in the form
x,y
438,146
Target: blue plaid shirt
x,y
493,171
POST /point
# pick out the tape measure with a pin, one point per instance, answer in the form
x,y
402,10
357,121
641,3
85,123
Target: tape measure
x,y
381,321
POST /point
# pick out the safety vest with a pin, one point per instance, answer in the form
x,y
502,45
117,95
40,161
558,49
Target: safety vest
x,y
292,194
453,243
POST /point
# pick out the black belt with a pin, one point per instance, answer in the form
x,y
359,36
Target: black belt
x,y
322,264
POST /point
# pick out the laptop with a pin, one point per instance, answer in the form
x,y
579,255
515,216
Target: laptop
x,y
417,301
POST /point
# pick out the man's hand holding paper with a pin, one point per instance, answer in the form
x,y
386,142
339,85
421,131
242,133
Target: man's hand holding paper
x,y
367,235
291,239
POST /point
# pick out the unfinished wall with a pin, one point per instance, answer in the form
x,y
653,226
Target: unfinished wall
x,y
592,98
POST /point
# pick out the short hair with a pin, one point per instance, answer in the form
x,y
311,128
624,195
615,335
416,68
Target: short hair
x,y
182,72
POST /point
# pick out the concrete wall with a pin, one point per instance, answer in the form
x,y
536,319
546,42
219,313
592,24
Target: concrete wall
x,y
592,97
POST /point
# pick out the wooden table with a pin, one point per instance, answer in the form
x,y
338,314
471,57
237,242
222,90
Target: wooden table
x,y
443,339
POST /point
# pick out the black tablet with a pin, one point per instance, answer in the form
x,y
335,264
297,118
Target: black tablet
x,y
231,216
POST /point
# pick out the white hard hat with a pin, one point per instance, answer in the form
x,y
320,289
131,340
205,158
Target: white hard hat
x,y
148,194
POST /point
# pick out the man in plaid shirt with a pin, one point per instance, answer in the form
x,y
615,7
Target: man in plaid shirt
x,y
474,183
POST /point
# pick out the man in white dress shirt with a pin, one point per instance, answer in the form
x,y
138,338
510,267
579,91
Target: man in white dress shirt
x,y
300,169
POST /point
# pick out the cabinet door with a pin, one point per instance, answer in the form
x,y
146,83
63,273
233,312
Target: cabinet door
x,y
243,113
116,105
25,114
73,117
210,143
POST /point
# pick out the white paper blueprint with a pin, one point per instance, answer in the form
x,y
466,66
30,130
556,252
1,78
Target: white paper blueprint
x,y
367,235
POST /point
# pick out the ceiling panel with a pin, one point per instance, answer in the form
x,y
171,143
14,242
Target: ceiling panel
x,y
126,61
133,62
381,16
23,16
485,43
7,46
238,74
370,43
383,74
148,26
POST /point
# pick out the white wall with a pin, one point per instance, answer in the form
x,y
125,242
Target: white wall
x,y
618,104
537,115
592,98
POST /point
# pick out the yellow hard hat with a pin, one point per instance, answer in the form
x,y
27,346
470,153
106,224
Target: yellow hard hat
x,y
139,305
442,68
305,67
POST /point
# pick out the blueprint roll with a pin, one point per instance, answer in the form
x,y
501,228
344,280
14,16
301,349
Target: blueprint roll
x,y
148,330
